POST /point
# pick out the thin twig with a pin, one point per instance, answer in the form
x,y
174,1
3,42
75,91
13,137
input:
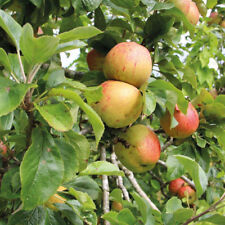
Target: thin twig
x,y
120,179
14,77
167,144
135,184
33,73
21,66
183,177
105,187
210,209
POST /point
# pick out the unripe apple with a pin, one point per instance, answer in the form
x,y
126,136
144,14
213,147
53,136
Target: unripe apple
x,y
95,60
120,105
182,5
187,192
187,124
3,148
193,13
138,148
117,206
175,185
128,62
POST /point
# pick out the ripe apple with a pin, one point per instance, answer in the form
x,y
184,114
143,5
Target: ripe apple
x,y
128,62
215,18
193,13
138,148
95,60
120,105
187,192
117,206
182,5
3,148
175,185
187,124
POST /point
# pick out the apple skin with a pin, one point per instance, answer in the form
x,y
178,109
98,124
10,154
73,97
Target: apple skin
x,y
182,5
120,105
95,60
3,149
193,13
117,206
215,18
128,62
187,124
138,148
222,24
175,185
187,191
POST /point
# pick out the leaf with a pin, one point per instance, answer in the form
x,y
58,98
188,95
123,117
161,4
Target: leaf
x,y
6,121
181,215
205,75
70,159
99,19
70,45
102,168
215,219
121,24
190,77
83,198
203,98
4,60
149,103
91,5
163,5
79,33
11,95
53,218
57,115
211,3
125,215
93,117
11,27
112,218
116,195
126,3
81,145
37,50
173,205
41,170
37,3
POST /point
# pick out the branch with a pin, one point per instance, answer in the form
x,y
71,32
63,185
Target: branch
x,y
210,209
33,73
105,187
167,144
120,179
135,184
183,177
21,66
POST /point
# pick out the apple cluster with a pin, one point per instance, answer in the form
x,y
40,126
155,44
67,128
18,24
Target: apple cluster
x,y
182,190
216,18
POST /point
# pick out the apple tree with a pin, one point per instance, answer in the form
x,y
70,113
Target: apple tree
x,y
132,132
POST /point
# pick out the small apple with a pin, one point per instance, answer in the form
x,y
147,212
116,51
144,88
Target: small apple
x,y
175,185
188,193
3,149
182,5
95,60
138,148
222,24
215,18
117,206
128,62
193,13
187,124
120,105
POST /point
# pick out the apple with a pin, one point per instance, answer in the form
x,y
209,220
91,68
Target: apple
x,y
182,5
215,18
187,192
129,62
95,60
138,148
120,105
175,185
3,148
117,206
187,124
193,13
222,24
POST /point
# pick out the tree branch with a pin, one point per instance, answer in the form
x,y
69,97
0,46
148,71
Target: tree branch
x,y
105,187
167,144
120,179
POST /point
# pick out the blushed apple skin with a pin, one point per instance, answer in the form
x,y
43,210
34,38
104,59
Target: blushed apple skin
x,y
187,191
193,13
3,148
95,60
187,124
138,148
175,185
128,62
120,105
182,5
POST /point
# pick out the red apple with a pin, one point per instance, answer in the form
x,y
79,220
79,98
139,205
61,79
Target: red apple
x,y
182,5
95,60
3,148
193,13
215,18
187,124
175,185
120,105
138,148
128,62
187,192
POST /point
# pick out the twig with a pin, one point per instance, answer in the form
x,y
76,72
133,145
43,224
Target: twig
x,y
135,184
183,177
21,66
33,73
120,179
86,130
167,144
210,209
14,77
105,187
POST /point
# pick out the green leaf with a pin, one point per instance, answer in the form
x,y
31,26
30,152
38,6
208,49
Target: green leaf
x,y
200,141
91,5
149,103
204,56
173,205
70,45
83,198
93,117
116,195
112,218
181,215
11,95
190,76
125,215
41,170
6,121
102,168
203,98
205,75
11,27
79,33
99,19
128,4
57,115
70,159
215,219
37,3
214,111
37,50
121,24
81,145
4,60
163,5
211,3
53,218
